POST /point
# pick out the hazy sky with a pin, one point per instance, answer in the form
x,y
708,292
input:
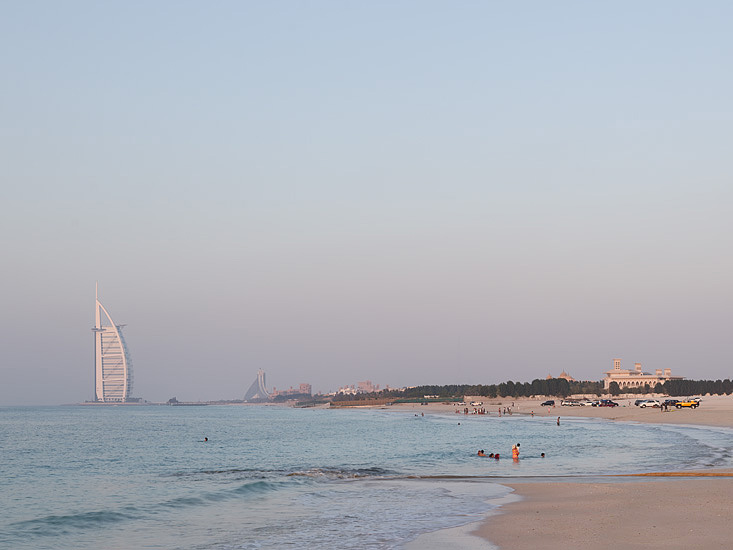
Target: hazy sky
x,y
409,192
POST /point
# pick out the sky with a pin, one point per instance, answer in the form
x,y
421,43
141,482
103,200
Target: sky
x,y
407,192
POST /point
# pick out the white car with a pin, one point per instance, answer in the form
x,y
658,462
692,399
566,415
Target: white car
x,y
476,403
649,403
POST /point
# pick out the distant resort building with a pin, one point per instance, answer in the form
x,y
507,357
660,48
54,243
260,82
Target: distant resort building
x,y
258,391
563,375
636,378
366,387
302,389
361,387
112,363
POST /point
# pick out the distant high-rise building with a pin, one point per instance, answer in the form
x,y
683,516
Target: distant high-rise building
x,y
112,363
257,391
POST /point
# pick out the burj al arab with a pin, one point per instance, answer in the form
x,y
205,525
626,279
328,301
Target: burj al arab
x,y
112,363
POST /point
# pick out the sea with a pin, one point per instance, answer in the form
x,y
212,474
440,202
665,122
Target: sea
x,y
275,477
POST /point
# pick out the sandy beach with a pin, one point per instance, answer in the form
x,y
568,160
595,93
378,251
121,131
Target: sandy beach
x,y
683,510
714,411
664,513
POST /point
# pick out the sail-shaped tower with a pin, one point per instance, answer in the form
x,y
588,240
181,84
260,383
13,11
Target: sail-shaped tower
x,y
257,391
112,364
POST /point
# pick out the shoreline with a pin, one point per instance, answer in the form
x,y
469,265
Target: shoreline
x,y
646,510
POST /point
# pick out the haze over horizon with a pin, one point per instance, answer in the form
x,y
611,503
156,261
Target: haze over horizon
x,y
403,192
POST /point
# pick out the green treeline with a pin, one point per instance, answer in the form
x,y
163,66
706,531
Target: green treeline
x,y
677,388
553,386
557,387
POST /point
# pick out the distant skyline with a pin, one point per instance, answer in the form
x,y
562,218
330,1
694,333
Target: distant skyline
x,y
406,192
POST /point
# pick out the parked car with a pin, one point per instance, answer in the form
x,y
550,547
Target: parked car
x,y
589,403
476,403
669,402
638,402
548,403
607,403
650,403
687,403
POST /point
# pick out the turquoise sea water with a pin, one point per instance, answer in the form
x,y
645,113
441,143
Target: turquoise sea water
x,y
88,477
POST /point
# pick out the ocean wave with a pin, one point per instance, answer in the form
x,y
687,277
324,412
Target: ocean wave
x,y
342,473
224,471
62,524
55,525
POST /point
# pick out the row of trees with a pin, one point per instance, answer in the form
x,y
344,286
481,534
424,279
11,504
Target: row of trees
x,y
553,386
558,387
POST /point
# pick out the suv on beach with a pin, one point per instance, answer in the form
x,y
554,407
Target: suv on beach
x,y
687,403
607,403
550,403
669,402
650,403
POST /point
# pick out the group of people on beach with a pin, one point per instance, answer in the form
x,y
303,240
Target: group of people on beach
x,y
482,410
